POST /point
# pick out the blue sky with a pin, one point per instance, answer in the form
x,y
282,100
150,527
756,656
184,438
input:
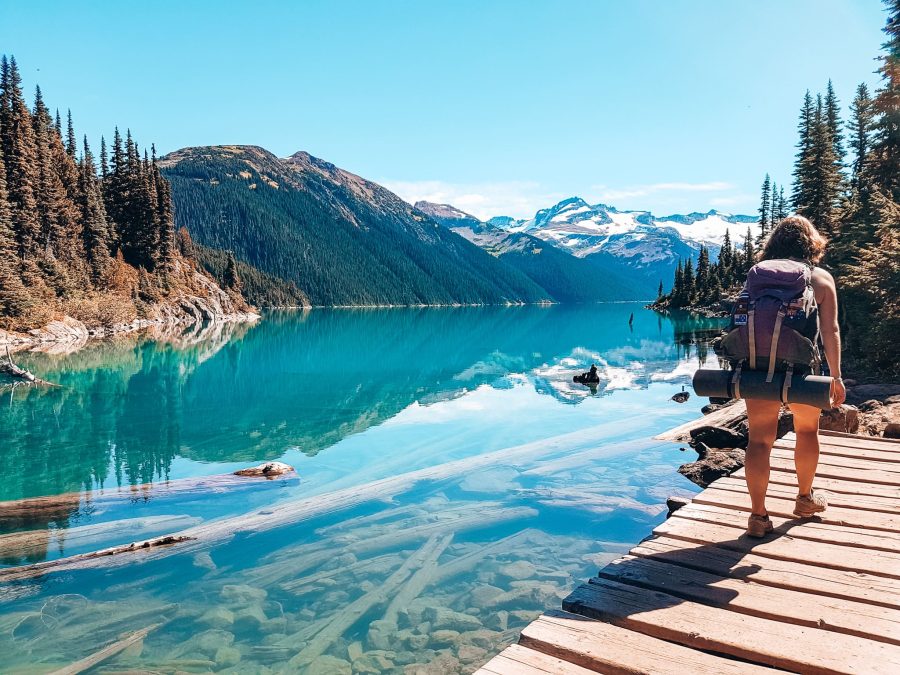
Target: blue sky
x,y
500,107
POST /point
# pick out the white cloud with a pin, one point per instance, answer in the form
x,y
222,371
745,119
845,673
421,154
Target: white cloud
x,y
519,199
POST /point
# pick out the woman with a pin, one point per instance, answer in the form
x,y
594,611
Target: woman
x,y
794,238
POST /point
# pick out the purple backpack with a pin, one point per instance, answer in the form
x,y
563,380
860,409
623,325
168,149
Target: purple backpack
x,y
775,322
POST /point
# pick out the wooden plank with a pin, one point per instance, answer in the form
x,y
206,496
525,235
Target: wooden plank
x,y
878,563
846,584
827,471
840,499
722,418
519,660
783,645
798,529
844,461
603,647
868,453
873,441
848,617
831,484
872,520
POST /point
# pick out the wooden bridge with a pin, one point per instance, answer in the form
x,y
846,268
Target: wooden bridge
x,y
818,595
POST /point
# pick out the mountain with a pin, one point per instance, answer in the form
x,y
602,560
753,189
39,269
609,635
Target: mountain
x,y
633,244
565,277
341,239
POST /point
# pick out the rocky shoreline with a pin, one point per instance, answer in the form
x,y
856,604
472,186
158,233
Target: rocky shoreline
x,y
71,334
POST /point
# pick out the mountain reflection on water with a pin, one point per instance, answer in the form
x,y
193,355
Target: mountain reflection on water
x,y
126,409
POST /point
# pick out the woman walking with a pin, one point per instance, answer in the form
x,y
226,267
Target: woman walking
x,y
794,239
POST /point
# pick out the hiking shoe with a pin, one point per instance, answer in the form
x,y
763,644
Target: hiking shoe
x,y
758,526
807,505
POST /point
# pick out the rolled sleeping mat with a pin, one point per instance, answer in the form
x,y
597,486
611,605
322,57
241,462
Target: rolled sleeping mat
x,y
814,390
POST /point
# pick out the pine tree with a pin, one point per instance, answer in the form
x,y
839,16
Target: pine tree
x,y
749,257
14,299
824,181
703,280
885,155
104,160
678,286
20,153
773,206
800,196
659,291
782,212
231,278
71,142
833,120
765,208
688,282
93,214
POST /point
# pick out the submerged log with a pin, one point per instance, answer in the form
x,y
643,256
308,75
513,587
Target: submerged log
x,y
12,370
107,652
339,624
287,513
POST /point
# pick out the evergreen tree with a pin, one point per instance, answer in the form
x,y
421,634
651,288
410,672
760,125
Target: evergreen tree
x,y
93,214
885,155
14,299
824,181
703,280
688,282
782,211
678,287
71,142
726,260
20,154
104,159
232,280
749,257
833,121
660,292
765,205
801,197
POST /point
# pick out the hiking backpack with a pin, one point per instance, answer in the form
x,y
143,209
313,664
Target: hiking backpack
x,y
775,322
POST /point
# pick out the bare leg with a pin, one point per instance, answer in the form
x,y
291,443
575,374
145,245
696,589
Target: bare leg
x,y
806,453
763,420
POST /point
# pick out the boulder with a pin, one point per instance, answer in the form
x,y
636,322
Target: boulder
x,y
241,594
218,617
870,406
443,618
482,594
718,437
328,665
472,655
891,430
226,657
444,638
714,465
844,418
521,569
866,392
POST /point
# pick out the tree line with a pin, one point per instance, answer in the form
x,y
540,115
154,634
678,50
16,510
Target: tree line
x,y
72,225
846,180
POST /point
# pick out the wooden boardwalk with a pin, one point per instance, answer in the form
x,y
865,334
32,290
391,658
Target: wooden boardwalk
x,y
818,595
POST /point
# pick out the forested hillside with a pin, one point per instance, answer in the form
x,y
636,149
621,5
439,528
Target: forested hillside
x,y
846,180
79,237
341,239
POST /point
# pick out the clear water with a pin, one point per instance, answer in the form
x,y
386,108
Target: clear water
x,y
452,483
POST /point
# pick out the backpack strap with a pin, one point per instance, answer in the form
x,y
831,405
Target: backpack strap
x,y
736,381
751,338
773,350
788,376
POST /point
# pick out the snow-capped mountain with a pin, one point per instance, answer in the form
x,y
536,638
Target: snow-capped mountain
x,y
584,230
632,245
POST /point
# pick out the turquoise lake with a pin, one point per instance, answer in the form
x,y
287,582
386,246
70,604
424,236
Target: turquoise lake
x,y
451,483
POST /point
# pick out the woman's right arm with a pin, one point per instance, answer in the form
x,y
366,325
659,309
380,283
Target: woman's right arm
x,y
826,297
